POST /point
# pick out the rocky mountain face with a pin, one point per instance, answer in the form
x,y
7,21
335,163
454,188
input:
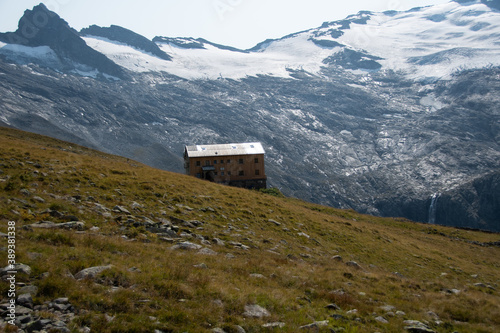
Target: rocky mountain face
x,y
373,112
40,27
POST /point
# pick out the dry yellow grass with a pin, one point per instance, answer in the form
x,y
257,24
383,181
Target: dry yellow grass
x,y
427,273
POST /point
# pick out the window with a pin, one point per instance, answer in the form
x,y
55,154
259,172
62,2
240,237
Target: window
x,y
221,161
256,160
241,173
198,175
240,161
221,169
207,163
229,173
215,162
222,173
198,163
257,172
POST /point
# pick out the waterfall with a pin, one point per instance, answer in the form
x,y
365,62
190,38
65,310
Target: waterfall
x,y
433,207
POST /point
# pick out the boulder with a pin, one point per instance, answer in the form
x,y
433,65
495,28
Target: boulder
x,y
19,268
255,311
91,272
25,300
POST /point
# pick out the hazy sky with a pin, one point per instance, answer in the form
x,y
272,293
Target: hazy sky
x,y
238,23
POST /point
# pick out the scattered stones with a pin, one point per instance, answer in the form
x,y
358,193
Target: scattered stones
x,y
91,272
255,311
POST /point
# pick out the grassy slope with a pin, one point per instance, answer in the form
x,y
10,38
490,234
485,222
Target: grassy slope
x,y
407,265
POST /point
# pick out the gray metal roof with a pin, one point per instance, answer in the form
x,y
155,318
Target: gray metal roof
x,y
250,148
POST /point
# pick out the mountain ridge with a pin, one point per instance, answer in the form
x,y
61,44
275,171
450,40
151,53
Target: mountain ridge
x,y
351,133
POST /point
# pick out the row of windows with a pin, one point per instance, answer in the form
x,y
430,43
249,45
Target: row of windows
x,y
208,162
222,173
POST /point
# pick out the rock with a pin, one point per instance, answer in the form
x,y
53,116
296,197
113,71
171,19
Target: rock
x,y
33,290
258,276
332,306
25,300
273,325
337,316
186,246
337,258
38,325
38,199
218,241
274,222
23,320
353,264
315,325
62,300
239,329
136,205
382,320
65,225
415,326
387,308
255,311
25,192
60,307
121,209
69,218
218,330
207,251
19,268
91,272
21,310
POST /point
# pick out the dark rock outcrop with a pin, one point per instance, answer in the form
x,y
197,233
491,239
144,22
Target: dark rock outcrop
x,y
119,34
475,204
42,27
